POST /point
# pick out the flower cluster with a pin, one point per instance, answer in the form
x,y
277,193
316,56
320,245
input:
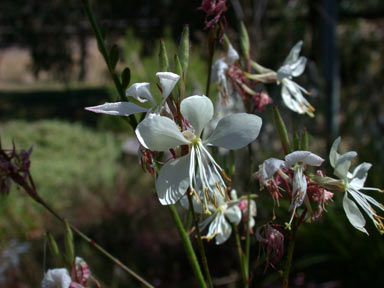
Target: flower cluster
x,y
14,166
243,81
290,173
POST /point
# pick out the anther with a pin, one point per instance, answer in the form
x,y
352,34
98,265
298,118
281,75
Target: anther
x,y
225,176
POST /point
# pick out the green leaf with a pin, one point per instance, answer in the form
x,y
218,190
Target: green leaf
x,y
163,57
53,245
69,246
114,56
125,77
179,71
183,51
282,130
304,140
296,143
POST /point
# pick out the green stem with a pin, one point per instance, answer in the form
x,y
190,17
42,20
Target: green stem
x,y
200,243
103,50
240,253
288,263
248,231
188,247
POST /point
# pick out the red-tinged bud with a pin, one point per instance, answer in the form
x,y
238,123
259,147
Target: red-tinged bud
x,y
214,12
273,239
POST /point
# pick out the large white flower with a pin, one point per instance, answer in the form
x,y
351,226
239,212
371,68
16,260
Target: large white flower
x,y
160,133
291,92
56,278
140,92
295,161
354,182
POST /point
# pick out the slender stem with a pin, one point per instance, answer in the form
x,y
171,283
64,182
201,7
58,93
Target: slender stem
x,y
31,191
241,256
103,50
200,243
291,248
94,244
188,247
248,231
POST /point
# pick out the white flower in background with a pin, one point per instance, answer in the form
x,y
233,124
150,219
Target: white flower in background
x,y
56,278
159,133
295,161
354,182
140,92
222,214
291,92
220,67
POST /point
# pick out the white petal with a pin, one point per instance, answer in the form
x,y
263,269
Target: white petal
x,y
305,157
220,229
159,133
232,54
198,110
333,155
288,100
141,92
233,214
294,53
284,71
54,278
353,214
117,108
173,180
270,166
299,66
218,71
235,131
197,206
359,175
168,81
343,164
225,230
299,188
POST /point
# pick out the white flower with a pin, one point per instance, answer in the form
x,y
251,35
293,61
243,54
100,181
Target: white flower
x,y
141,92
56,278
291,92
220,67
354,182
159,133
295,161
222,214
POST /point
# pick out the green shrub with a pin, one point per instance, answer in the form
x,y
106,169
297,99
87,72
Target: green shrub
x,y
73,167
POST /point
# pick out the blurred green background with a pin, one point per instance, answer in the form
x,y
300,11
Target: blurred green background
x,y
50,69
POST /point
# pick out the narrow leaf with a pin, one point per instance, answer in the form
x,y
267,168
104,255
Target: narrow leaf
x,y
183,51
282,130
69,247
295,140
163,58
53,245
304,140
125,77
179,71
114,56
